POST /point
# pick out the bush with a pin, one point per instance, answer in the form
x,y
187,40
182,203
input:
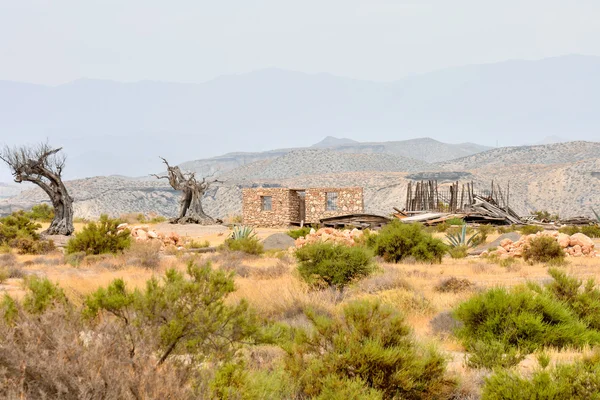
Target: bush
x,y
192,244
521,320
41,212
454,285
582,299
143,254
42,295
333,264
577,381
397,241
99,238
18,225
530,229
455,221
592,231
27,245
187,314
543,249
296,233
367,352
458,251
249,245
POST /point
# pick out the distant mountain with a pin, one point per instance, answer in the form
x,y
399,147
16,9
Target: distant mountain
x,y
420,151
331,141
556,153
309,162
121,128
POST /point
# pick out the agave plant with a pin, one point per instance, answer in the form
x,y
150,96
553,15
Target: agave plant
x,y
460,238
242,232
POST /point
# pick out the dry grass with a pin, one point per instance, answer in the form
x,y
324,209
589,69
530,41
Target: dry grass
x,y
273,289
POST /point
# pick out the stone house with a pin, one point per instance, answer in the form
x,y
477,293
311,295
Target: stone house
x,y
281,207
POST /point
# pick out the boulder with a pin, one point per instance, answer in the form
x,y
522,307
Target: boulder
x,y
581,240
279,241
564,240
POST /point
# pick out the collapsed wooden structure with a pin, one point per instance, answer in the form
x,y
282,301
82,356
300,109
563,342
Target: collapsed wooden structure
x,y
431,204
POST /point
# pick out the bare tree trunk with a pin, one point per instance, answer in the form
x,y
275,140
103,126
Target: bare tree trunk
x,y
62,224
190,204
42,166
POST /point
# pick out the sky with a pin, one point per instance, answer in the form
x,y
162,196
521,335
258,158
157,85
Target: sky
x,y
56,41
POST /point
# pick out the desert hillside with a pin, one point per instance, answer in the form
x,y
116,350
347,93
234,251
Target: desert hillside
x,y
561,178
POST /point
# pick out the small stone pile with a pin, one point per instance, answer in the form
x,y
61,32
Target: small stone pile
x,y
577,245
143,233
330,235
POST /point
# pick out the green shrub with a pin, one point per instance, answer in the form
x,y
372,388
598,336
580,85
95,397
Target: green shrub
x,y
18,225
455,221
582,299
101,237
569,230
41,212
458,251
42,294
592,231
492,354
249,245
333,264
521,319
577,381
397,240
197,244
530,229
296,233
370,348
185,314
543,249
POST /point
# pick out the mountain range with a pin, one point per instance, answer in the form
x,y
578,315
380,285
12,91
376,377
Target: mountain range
x,y
562,178
120,128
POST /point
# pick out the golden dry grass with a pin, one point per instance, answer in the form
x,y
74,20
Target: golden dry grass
x,y
284,297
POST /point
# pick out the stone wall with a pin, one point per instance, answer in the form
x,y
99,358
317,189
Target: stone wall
x,y
349,201
285,205
280,214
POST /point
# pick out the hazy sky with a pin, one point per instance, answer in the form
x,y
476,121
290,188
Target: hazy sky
x,y
56,41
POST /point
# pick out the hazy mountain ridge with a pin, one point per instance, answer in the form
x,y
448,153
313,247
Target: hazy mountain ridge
x,y
555,153
121,128
420,151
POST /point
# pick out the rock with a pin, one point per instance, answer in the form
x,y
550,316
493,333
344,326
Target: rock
x,y
278,241
564,240
123,226
141,235
506,242
152,235
581,240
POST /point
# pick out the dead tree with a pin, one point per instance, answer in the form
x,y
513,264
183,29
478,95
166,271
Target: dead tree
x,y
43,166
190,204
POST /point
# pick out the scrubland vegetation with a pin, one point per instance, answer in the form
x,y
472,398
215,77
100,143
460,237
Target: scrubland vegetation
x,y
394,317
